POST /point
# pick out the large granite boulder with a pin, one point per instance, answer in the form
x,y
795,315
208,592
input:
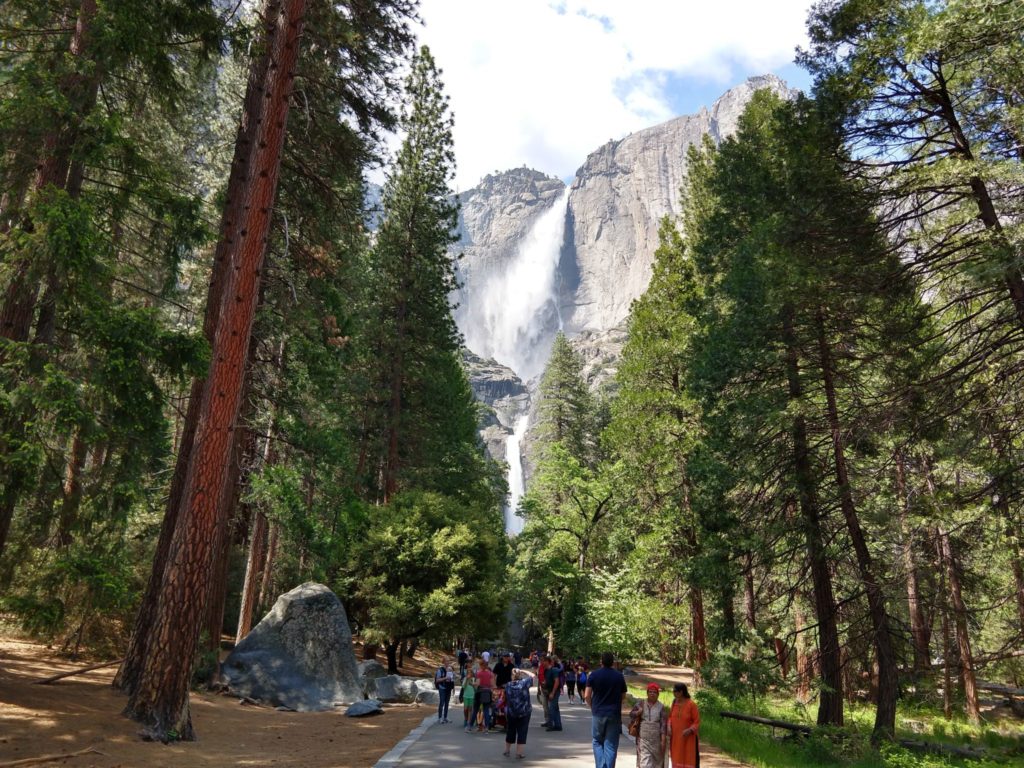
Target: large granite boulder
x,y
385,688
431,697
299,656
392,688
371,669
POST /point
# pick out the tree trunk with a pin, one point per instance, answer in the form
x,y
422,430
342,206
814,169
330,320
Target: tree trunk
x,y
257,547
963,640
885,655
804,663
395,408
1012,276
699,634
242,453
1018,581
749,595
257,554
254,109
268,567
161,698
19,301
830,702
410,652
920,630
391,649
72,500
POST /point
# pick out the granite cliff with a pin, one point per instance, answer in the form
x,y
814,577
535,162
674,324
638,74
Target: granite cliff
x,y
534,257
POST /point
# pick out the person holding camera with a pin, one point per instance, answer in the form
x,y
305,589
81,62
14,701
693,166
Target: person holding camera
x,y
518,709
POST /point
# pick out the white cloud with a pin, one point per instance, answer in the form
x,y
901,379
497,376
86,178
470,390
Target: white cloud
x,y
542,83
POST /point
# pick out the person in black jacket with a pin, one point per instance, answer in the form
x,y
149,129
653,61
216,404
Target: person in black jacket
x,y
503,670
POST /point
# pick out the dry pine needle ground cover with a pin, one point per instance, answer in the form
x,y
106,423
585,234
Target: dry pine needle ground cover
x,y
84,712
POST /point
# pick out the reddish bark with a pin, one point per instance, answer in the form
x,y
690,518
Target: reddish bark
x,y
254,109
161,698
72,490
920,631
885,654
830,701
963,640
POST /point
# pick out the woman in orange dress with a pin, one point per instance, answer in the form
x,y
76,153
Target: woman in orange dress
x,y
683,724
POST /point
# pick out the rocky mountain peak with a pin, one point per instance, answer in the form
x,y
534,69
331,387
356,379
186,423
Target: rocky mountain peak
x,y
726,111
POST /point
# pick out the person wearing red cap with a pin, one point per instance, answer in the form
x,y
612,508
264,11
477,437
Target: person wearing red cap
x,y
652,733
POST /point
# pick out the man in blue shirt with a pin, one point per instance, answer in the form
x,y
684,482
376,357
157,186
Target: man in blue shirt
x,y
606,691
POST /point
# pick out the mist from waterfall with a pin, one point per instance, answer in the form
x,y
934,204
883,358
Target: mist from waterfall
x,y
517,309
516,487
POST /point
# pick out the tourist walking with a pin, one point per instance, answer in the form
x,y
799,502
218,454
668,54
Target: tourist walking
x,y
581,680
484,697
444,682
553,686
683,724
517,711
463,661
647,721
542,694
570,681
605,693
467,694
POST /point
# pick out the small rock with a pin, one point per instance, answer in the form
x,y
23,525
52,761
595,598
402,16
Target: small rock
x,y
364,708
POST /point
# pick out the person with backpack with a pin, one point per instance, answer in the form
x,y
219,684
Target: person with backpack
x,y
444,682
570,681
467,693
553,681
581,680
517,711
484,697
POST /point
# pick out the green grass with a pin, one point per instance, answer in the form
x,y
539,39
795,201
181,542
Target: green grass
x,y
755,745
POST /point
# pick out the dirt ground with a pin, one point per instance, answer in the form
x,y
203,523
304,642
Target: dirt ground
x,y
85,712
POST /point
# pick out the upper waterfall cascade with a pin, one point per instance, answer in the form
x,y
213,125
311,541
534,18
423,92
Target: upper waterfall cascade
x,y
517,308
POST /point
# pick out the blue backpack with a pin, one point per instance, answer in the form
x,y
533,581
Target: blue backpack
x,y
517,698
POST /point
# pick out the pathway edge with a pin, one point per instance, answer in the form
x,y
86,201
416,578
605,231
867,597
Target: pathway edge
x,y
394,756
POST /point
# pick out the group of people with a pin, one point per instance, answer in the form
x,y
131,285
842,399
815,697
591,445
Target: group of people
x,y
657,731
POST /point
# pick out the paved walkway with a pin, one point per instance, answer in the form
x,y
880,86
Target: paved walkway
x,y
449,745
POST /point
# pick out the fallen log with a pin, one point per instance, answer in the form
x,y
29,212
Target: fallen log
x,y
74,672
50,758
1004,690
795,727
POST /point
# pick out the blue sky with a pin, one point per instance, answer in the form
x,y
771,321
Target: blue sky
x,y
542,83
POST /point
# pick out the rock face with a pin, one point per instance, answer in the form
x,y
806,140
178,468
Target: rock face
x,y
617,201
299,656
601,352
494,218
503,395
603,248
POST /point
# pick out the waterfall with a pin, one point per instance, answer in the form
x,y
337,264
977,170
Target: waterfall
x,y
516,487
513,319
517,309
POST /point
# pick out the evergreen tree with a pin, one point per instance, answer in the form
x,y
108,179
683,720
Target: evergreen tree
x,y
412,338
